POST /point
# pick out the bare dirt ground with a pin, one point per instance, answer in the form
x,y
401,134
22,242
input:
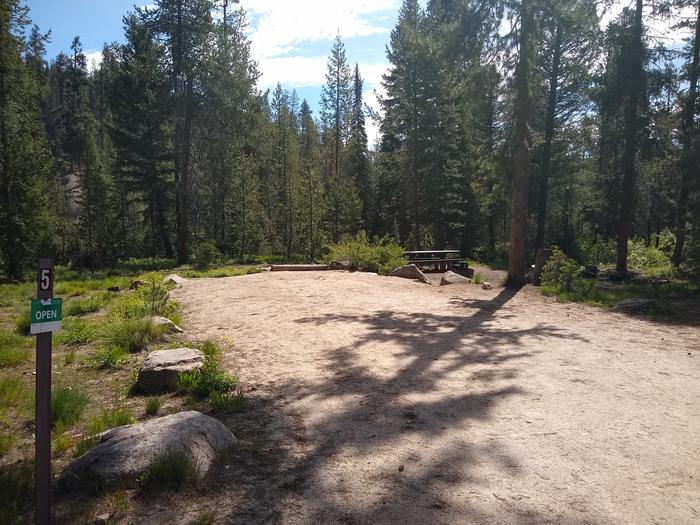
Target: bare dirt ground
x,y
382,400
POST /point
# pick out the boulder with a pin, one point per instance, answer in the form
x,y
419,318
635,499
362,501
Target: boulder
x,y
136,284
160,369
634,304
339,265
410,271
452,278
166,325
486,285
123,454
174,278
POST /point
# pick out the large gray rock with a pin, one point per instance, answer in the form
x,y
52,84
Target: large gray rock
x,y
410,271
160,369
450,277
174,278
125,453
166,325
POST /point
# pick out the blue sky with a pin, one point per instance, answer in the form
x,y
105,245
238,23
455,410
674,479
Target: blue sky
x,y
291,40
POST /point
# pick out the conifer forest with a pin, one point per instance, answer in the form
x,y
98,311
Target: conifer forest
x,y
505,126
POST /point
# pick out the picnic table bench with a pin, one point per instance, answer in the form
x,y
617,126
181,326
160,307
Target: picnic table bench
x,y
437,260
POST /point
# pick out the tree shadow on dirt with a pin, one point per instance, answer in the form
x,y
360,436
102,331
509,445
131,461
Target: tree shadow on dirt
x,y
287,469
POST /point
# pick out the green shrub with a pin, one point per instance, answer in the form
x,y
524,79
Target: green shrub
x,y
600,253
127,306
226,401
152,406
560,273
380,256
67,406
111,418
210,380
154,294
641,256
478,278
169,471
14,348
84,306
131,335
112,357
205,254
77,332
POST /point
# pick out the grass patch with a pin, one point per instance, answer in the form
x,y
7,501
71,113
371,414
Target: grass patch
x,y
67,406
212,382
206,518
110,358
111,418
85,444
85,306
6,442
226,271
131,335
16,490
478,278
14,348
23,321
152,406
60,441
14,393
77,332
168,472
69,358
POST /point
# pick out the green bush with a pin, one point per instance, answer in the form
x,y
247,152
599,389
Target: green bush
x,y
154,294
131,335
67,406
14,348
598,253
16,490
641,256
211,381
381,256
205,254
478,278
169,471
560,273
128,306
152,406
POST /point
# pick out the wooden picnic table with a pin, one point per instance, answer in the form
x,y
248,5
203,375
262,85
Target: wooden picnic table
x,y
435,260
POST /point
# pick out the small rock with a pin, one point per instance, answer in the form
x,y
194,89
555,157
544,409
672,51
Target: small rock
x,y
166,325
174,278
401,468
410,271
486,286
102,519
125,453
160,369
136,284
114,289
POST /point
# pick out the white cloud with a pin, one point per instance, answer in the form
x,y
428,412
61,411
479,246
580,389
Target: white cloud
x,y
94,59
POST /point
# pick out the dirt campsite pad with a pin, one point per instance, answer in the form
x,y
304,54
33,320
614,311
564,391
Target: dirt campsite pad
x,y
383,400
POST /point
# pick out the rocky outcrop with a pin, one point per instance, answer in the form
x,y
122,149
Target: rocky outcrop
x,y
410,271
175,279
450,277
123,454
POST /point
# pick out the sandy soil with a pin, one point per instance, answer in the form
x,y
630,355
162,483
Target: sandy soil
x,y
382,400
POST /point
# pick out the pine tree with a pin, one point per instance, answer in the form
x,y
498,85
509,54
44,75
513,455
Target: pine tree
x,y
357,156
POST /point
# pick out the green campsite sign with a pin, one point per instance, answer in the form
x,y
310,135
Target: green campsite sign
x,y
46,315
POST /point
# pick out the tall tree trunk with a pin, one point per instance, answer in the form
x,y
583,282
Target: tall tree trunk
x,y
548,138
629,166
183,182
521,153
689,166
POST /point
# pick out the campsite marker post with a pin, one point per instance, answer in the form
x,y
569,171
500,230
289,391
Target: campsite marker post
x,y
46,314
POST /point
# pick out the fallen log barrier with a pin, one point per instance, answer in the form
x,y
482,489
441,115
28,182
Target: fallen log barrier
x,y
297,267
